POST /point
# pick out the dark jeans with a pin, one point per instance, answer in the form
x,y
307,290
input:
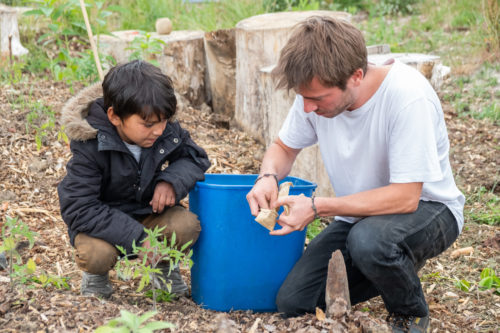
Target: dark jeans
x,y
382,255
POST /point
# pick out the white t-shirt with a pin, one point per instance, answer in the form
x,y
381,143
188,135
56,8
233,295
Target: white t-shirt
x,y
397,136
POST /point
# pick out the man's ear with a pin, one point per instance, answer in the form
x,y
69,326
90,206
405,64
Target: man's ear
x,y
357,77
113,117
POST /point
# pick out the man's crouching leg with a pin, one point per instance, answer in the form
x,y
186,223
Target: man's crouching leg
x,y
187,229
95,258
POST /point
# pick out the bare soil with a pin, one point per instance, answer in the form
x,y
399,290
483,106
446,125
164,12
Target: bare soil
x,y
28,180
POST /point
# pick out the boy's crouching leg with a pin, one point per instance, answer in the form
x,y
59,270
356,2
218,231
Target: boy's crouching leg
x,y
95,258
179,220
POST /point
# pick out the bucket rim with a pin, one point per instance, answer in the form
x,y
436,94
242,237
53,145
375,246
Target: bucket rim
x,y
307,184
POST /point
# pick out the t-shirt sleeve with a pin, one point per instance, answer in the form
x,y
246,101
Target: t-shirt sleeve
x,y
413,155
298,130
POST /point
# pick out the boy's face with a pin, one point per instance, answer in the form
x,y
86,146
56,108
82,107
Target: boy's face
x,y
136,130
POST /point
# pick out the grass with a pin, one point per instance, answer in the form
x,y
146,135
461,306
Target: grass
x,y
483,207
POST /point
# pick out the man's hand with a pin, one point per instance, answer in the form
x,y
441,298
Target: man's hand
x,y
164,196
299,216
263,194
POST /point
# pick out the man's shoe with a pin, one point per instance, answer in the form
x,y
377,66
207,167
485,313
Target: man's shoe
x,y
96,285
177,285
411,324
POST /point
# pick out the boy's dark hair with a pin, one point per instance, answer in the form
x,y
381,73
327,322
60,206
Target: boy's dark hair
x,y
330,49
139,87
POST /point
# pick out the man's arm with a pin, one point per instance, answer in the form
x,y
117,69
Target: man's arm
x,y
395,198
278,160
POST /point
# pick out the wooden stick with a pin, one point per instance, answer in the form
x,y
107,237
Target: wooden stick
x,y
91,38
336,283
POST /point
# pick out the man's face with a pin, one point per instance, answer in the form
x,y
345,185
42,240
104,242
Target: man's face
x,y
325,101
138,131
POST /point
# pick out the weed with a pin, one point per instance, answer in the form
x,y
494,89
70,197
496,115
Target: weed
x,y
313,229
161,249
41,119
146,48
488,280
129,322
13,232
485,207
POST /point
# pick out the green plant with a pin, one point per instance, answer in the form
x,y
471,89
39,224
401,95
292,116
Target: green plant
x,y
491,12
161,249
41,119
393,7
313,229
129,322
488,280
485,206
67,35
13,232
146,48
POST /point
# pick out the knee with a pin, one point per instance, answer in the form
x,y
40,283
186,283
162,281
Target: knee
x,y
94,255
185,225
364,246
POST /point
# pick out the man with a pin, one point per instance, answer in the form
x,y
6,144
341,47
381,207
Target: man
x,y
384,143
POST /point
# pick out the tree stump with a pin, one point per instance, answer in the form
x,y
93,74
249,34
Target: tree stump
x,y
182,58
9,27
259,40
427,64
337,288
220,51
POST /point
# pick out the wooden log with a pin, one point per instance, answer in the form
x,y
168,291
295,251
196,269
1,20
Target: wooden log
x,y
182,58
220,51
337,289
9,27
259,40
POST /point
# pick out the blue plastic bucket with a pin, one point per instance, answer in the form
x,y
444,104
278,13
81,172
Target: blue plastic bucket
x,y
237,265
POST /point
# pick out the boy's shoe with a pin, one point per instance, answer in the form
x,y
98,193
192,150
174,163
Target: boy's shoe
x,y
177,284
96,285
411,324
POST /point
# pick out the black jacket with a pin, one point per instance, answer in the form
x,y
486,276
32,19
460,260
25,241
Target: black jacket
x,y
105,188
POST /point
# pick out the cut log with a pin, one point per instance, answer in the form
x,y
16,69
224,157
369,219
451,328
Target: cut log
x,y
182,58
337,288
427,64
220,51
259,40
9,27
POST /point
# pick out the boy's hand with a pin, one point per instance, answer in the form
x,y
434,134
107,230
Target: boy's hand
x,y
164,196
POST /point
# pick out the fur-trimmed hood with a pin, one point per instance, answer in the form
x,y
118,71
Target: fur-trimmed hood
x,y
75,112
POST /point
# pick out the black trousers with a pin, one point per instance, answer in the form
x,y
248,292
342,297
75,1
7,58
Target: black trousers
x,y
382,256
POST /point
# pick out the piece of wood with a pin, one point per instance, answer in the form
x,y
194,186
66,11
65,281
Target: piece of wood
x,y
9,27
465,251
91,39
267,217
337,289
220,51
182,58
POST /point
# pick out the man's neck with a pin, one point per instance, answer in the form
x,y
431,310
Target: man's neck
x,y
374,77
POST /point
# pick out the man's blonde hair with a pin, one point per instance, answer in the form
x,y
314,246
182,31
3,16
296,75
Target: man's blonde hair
x,y
330,49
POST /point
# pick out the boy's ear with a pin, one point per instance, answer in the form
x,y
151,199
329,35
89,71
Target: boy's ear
x,y
113,118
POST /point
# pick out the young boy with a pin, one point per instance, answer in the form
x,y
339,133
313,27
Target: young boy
x,y
122,137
